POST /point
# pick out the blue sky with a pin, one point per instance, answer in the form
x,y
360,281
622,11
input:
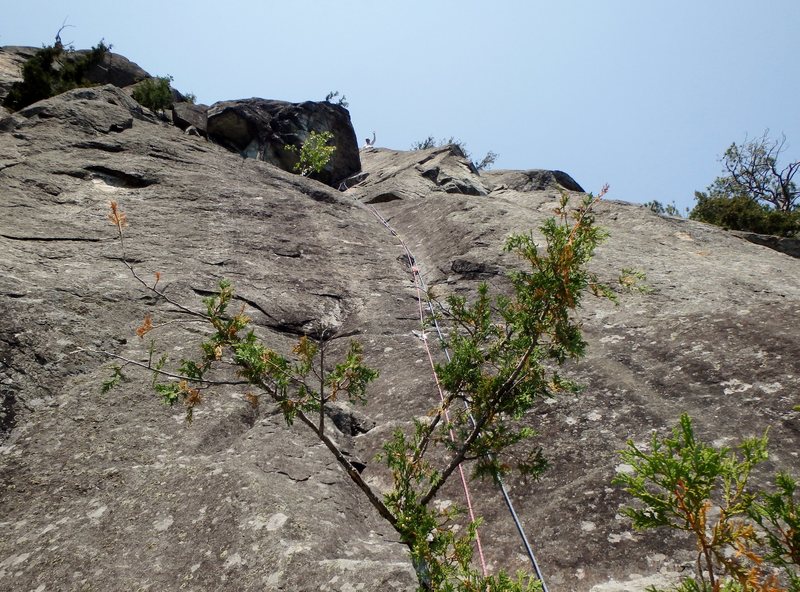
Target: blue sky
x,y
640,94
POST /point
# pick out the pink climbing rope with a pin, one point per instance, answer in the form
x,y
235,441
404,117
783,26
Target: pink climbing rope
x,y
415,273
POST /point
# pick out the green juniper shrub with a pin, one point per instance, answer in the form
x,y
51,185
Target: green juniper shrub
x,y
777,513
154,93
505,353
53,70
685,484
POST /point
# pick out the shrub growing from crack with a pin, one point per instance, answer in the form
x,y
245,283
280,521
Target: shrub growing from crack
x,y
154,93
314,154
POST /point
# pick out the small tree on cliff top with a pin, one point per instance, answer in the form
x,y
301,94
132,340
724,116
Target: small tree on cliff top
x,y
504,351
755,193
752,169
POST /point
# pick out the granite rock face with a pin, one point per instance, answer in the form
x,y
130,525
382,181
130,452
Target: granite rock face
x,y
114,491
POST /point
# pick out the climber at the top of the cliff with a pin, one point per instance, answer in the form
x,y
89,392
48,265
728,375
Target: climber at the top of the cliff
x,y
369,143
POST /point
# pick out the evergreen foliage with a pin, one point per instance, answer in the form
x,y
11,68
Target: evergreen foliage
x,y
685,484
341,100
740,212
658,208
53,70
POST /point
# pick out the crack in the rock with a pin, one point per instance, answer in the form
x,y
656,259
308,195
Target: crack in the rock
x,y
79,239
295,479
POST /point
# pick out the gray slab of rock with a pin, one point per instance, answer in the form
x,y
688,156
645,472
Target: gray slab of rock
x,y
104,109
532,180
11,60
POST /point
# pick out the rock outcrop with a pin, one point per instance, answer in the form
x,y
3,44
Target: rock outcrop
x,y
115,69
186,115
11,60
262,129
114,492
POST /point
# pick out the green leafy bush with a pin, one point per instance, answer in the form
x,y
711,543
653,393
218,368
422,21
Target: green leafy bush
x,y
53,70
314,154
154,93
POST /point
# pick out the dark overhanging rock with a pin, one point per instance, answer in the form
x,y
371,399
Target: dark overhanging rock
x,y
115,69
263,129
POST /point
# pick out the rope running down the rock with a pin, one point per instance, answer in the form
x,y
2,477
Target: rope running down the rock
x,y
419,284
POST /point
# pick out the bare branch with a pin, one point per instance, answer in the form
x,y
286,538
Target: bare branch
x,y
148,366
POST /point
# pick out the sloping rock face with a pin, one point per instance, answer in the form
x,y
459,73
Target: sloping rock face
x,y
114,491
262,129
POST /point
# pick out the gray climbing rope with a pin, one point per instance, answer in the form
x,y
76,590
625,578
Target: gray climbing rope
x,y
498,478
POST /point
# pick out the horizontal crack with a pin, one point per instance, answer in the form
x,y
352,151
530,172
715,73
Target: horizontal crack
x,y
81,239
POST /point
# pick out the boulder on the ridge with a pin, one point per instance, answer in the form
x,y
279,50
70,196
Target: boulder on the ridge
x,y
263,129
114,69
391,175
